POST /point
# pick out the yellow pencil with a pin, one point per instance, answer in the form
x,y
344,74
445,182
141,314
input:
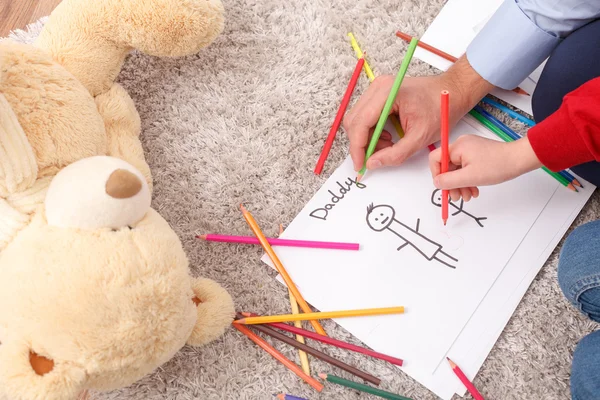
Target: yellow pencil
x,y
279,266
269,319
298,324
294,304
359,54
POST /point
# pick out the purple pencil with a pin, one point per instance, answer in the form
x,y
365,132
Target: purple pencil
x,y
280,242
289,397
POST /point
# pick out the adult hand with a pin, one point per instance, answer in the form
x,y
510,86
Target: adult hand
x,y
418,107
477,161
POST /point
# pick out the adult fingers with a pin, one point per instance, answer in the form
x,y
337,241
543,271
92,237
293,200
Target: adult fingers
x,y
396,154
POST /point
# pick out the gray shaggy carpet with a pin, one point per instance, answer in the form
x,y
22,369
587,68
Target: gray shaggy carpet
x,y
244,121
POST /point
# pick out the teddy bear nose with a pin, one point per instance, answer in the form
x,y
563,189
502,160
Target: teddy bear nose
x,y
123,184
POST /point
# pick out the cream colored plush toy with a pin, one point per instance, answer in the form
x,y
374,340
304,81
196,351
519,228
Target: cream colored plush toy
x,y
95,290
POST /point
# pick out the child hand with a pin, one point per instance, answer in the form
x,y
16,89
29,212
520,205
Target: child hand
x,y
477,161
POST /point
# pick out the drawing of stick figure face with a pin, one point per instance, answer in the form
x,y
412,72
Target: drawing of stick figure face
x,y
380,217
436,197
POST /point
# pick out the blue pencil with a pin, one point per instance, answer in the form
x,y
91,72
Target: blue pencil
x,y
508,111
516,136
289,397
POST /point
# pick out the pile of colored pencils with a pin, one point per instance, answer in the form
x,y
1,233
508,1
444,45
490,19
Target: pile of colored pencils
x,y
275,326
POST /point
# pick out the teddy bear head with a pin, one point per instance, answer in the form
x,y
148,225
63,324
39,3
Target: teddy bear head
x,y
95,292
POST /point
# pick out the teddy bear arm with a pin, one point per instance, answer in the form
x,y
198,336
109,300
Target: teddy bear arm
x,y
215,311
92,38
18,165
122,124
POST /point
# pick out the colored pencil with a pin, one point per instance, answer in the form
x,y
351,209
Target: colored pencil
x,y
320,315
444,55
463,378
280,268
514,135
318,354
280,242
338,118
294,306
388,104
318,386
502,135
445,134
508,111
361,387
359,53
332,342
284,396
567,179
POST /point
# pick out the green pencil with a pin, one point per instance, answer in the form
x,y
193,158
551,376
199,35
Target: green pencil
x,y
484,121
362,388
389,103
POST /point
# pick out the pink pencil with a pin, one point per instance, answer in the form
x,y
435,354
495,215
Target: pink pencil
x,y
331,341
280,242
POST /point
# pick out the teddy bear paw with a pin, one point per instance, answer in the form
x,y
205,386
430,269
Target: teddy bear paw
x,y
215,311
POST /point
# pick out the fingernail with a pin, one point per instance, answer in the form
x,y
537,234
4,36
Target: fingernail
x,y
374,164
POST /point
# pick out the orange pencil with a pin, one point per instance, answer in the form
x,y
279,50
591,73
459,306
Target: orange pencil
x,y
444,55
445,133
463,378
286,277
279,357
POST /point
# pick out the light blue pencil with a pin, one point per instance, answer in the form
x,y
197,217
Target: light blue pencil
x,y
508,111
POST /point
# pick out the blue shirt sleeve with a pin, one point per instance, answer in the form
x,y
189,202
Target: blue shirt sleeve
x,y
522,34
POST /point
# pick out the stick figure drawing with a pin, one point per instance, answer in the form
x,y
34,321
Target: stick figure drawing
x,y
436,200
382,217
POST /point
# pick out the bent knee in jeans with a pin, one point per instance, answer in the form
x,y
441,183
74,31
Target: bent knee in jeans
x,y
579,269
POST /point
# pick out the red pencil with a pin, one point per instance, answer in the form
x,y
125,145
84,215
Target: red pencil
x,y
445,130
339,116
331,341
463,378
444,55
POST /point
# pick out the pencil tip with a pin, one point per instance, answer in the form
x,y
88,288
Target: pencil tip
x,y
281,396
280,229
323,376
358,177
246,314
573,188
577,183
242,208
203,237
240,321
445,222
452,364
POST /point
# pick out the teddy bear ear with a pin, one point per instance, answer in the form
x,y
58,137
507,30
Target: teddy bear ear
x,y
27,375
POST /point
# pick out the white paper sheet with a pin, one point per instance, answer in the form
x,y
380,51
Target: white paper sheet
x,y
439,300
452,31
478,337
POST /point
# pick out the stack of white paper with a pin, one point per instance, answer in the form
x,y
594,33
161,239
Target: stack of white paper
x,y
460,283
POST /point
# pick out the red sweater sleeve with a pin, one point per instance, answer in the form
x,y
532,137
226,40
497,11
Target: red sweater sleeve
x,y
570,136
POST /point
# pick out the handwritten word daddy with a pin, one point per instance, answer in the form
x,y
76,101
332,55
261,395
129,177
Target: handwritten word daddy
x,y
341,191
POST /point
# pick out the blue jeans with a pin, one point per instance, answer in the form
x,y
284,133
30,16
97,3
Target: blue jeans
x,y
579,279
575,61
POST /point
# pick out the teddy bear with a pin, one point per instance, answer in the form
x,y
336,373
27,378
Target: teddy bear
x,y
95,292
95,289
